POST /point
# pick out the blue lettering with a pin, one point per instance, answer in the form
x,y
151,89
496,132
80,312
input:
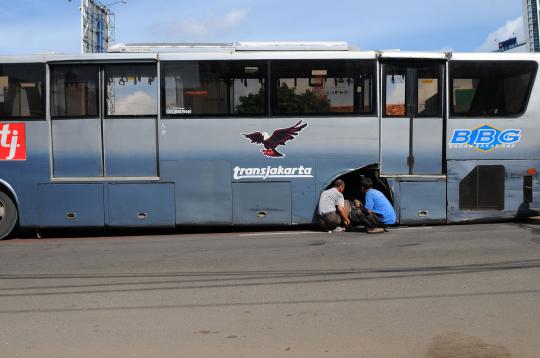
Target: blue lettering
x,y
461,136
486,136
510,136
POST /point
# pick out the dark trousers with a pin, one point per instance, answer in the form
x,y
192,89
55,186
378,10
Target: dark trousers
x,y
358,217
329,221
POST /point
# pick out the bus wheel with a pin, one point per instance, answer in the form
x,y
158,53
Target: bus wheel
x,y
8,215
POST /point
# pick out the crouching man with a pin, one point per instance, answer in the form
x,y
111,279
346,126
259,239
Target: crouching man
x,y
332,214
377,212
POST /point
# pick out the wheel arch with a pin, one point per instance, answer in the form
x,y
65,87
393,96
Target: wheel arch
x,y
8,189
349,176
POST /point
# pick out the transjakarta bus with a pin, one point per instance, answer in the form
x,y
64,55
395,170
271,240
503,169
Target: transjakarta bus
x,y
251,133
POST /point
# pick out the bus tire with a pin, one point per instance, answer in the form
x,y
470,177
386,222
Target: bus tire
x,y
8,215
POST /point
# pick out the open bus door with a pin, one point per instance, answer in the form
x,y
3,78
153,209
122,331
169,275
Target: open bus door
x,y
412,126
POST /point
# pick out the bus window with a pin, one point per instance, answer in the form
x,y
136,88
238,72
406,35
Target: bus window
x,y
21,91
396,80
131,90
490,89
322,87
74,90
213,88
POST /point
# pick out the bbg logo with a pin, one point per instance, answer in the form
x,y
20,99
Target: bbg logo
x,y
485,138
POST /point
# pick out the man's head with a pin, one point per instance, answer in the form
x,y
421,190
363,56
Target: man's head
x,y
366,184
339,185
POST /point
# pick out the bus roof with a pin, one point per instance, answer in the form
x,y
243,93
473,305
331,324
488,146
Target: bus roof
x,y
233,47
268,50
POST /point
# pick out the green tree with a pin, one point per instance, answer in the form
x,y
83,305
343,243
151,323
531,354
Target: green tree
x,y
308,102
253,103
287,102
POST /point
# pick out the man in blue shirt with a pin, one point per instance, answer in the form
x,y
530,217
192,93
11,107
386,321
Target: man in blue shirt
x,y
377,212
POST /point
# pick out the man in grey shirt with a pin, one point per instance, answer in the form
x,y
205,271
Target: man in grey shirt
x,y
331,213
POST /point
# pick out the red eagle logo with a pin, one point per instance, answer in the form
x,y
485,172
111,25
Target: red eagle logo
x,y
279,137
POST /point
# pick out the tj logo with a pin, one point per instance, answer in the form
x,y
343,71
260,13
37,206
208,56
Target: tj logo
x,y
12,141
485,138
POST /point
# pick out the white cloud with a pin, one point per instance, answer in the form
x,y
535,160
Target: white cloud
x,y
192,29
395,89
512,28
136,103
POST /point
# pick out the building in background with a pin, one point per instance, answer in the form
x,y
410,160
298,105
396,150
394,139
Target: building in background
x,y
530,41
530,22
512,45
97,26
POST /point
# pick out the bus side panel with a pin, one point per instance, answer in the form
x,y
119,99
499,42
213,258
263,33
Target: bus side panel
x,y
484,187
140,205
262,203
304,198
487,173
203,193
71,205
203,156
520,146
24,175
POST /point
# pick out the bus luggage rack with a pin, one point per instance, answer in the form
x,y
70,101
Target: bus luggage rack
x,y
232,47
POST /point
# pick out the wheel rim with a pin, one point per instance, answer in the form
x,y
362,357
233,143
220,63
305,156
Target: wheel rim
x,y
2,211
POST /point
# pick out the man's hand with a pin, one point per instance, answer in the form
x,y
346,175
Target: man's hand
x,y
344,216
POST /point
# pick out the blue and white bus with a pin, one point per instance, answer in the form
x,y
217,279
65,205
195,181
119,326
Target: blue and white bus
x,y
153,135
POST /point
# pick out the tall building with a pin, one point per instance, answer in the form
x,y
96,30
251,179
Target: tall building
x,y
97,26
530,22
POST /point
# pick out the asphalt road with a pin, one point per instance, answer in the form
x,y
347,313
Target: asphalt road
x,y
436,292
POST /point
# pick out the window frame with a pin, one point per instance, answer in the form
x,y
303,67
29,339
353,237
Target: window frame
x,y
98,90
452,115
103,72
373,63
162,107
42,117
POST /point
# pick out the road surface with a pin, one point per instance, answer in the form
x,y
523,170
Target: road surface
x,y
437,292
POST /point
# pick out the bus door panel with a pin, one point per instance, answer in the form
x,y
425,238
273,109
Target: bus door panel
x,y
130,147
412,121
130,120
394,145
427,146
77,147
75,121
395,126
427,129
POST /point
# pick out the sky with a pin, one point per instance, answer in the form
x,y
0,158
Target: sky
x,y
38,26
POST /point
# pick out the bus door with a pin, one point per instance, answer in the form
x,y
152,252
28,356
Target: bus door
x,y
104,137
412,121
104,120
